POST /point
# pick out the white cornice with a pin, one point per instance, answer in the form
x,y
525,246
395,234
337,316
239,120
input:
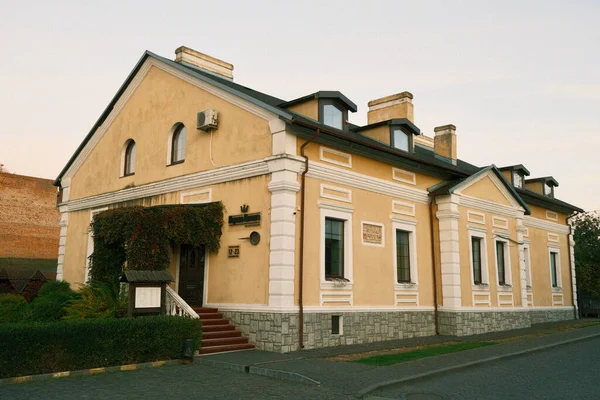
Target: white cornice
x,y
365,182
545,225
485,205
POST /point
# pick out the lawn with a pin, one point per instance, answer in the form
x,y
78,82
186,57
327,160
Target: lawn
x,y
390,359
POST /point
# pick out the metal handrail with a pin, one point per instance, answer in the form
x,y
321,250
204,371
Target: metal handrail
x,y
177,306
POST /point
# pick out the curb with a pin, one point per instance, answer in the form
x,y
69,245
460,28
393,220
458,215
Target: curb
x,y
85,372
370,389
268,372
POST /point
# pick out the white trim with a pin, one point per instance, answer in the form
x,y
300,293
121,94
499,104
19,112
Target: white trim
x,y
491,207
448,217
365,182
337,297
481,292
514,204
503,222
63,224
551,215
410,213
90,244
324,187
470,218
507,264
413,292
362,238
504,302
412,181
477,228
323,157
345,216
205,288
503,309
555,249
183,195
553,237
412,243
526,232
485,276
316,309
335,207
527,258
548,226
401,220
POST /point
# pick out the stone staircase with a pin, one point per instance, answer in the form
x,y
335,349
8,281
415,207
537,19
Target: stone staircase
x,y
218,334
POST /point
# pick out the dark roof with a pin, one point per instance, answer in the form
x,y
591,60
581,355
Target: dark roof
x,y
322,94
395,121
146,276
543,179
517,167
550,203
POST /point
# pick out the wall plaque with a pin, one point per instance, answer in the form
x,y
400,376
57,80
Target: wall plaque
x,y
233,252
372,234
245,219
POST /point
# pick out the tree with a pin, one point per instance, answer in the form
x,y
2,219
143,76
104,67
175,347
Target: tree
x,y
587,255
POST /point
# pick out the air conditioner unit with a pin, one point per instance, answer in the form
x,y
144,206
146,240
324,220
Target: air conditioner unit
x,y
207,120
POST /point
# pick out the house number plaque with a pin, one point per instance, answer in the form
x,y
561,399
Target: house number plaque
x,y
233,252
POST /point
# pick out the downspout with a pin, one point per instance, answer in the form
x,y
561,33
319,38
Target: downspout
x,y
435,299
301,266
573,289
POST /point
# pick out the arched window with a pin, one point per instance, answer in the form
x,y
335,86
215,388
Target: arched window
x,y
129,160
178,144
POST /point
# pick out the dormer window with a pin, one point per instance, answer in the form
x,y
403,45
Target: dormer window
x,y
332,115
517,180
548,190
400,139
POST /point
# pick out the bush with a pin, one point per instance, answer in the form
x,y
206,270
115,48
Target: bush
x,y
51,302
97,301
13,308
68,345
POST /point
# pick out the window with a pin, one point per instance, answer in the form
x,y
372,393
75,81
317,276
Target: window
x,y
336,324
500,262
334,248
129,167
517,180
333,116
527,267
178,145
402,256
400,139
554,269
476,254
548,189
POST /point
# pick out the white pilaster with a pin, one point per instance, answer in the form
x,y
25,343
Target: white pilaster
x,y
522,268
572,266
448,215
64,222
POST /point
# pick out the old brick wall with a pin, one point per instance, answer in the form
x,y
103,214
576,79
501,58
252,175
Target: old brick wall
x,y
28,217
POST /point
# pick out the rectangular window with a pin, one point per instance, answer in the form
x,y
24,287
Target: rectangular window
x,y
476,250
517,180
334,248
400,139
547,189
500,262
335,324
527,267
402,256
553,267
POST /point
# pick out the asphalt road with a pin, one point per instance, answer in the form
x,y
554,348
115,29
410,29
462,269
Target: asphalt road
x,y
566,372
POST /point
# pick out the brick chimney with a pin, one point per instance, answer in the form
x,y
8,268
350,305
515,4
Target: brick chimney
x,y
444,142
185,55
395,106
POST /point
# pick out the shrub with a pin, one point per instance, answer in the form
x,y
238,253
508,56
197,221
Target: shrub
x,y
97,301
13,308
51,302
69,345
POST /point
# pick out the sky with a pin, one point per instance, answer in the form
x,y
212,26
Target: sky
x,y
519,79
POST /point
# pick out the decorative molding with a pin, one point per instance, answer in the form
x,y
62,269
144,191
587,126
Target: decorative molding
x,y
336,193
551,215
499,222
485,205
381,242
406,298
503,309
404,176
336,298
499,185
206,195
476,217
505,299
335,207
323,157
481,298
553,237
448,215
532,222
401,220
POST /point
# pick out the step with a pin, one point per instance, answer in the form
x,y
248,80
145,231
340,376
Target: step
x,y
211,322
219,349
202,310
217,328
204,316
221,334
223,342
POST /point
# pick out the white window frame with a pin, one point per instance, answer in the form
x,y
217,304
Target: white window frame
x,y
507,265
411,228
527,259
485,273
90,244
170,143
553,249
344,214
124,155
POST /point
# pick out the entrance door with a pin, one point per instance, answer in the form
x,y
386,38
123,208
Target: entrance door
x,y
191,274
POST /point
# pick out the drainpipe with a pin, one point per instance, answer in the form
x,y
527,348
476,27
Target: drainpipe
x,y
301,266
435,299
573,293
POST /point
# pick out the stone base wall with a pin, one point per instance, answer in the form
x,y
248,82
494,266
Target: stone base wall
x,y
279,332
473,323
539,317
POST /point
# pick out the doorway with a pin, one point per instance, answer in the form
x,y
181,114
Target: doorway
x,y
191,274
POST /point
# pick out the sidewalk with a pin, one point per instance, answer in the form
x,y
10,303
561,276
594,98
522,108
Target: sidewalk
x,y
350,378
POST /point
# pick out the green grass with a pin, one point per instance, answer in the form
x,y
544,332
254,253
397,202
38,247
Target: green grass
x,y
390,359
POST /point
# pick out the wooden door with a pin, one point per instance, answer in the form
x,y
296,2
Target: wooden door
x,y
191,274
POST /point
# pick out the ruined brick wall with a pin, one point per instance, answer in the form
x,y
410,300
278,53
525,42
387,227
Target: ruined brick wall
x,y
28,217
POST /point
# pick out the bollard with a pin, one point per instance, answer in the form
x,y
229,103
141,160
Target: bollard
x,y
188,350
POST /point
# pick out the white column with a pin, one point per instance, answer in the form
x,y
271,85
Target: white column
x,y
572,266
522,269
64,222
448,215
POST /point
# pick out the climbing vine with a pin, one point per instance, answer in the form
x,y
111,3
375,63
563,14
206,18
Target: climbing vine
x,y
138,238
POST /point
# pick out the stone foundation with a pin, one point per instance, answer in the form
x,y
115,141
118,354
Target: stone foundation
x,y
279,331
541,316
473,323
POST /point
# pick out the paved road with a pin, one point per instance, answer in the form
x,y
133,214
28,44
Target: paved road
x,y
566,372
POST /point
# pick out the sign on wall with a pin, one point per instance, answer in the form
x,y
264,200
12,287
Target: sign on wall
x,y
372,234
233,252
245,219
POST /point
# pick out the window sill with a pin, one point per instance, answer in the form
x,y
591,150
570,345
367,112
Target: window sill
x,y
481,286
126,175
505,288
339,285
557,289
406,286
176,162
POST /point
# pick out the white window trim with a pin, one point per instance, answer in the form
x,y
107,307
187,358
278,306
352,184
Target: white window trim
x,y
170,143
485,276
412,243
552,249
323,157
346,216
528,264
362,227
342,191
90,245
507,265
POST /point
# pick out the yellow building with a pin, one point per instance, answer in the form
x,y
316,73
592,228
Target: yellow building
x,y
362,233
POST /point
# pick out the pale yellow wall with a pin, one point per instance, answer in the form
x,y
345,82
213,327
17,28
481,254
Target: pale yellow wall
x,y
238,281
537,187
507,175
540,213
309,109
380,133
156,105
486,189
